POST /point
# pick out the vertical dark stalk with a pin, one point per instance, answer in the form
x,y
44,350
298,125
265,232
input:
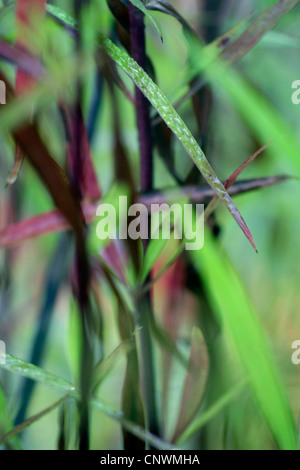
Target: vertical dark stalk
x,y
54,279
138,52
214,12
82,282
82,270
95,106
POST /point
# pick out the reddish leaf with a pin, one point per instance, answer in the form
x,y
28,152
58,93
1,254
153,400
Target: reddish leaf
x,y
168,298
51,173
258,27
54,221
88,182
110,72
22,59
25,10
241,168
214,202
195,383
115,257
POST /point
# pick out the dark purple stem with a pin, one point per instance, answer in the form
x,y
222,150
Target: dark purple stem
x,y
138,53
82,269
144,308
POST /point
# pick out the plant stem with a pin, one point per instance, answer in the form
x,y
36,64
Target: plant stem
x,y
55,276
138,52
82,273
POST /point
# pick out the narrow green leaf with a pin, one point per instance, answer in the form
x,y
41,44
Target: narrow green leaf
x,y
212,50
195,382
233,52
261,116
138,4
18,429
209,414
152,254
6,423
244,332
30,371
260,25
165,7
104,367
135,429
14,364
168,263
214,202
176,124
61,15
74,340
171,118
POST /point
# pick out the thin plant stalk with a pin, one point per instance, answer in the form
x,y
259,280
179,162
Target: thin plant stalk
x,y
138,52
82,276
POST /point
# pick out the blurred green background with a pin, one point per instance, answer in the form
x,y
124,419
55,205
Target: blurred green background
x,y
271,277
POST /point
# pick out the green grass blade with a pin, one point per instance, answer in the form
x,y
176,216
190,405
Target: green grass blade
x,y
6,424
138,4
256,110
261,116
106,365
32,372
14,364
61,15
244,332
169,115
210,413
135,429
28,422
152,254
176,124
258,27
164,7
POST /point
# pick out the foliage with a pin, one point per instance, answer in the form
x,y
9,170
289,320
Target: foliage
x,y
173,348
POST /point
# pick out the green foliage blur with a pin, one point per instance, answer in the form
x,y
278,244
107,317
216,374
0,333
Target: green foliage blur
x,y
269,279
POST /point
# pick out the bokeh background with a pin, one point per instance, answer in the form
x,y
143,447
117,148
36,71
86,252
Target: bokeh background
x,y
271,277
